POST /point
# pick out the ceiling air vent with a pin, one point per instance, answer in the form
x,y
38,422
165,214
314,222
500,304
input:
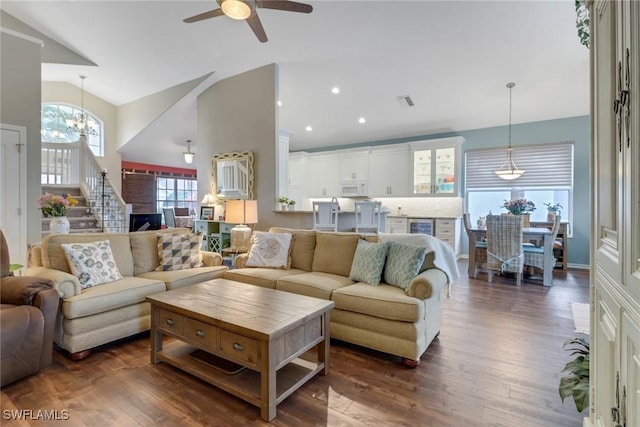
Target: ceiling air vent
x,y
405,101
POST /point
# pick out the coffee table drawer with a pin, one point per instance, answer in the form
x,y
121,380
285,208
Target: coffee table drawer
x,y
239,347
201,333
170,321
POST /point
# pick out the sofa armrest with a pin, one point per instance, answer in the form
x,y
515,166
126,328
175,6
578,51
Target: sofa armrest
x,y
241,260
427,284
21,290
66,284
211,259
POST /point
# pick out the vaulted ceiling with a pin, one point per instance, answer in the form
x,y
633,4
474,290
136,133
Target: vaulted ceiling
x,y
453,58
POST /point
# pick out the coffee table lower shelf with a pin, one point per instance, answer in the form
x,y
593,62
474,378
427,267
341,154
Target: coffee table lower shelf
x,y
246,383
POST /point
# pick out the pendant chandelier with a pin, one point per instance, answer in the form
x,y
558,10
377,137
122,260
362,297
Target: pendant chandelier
x,y
81,124
509,170
188,155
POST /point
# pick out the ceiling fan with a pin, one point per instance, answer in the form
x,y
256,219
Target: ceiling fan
x,y
246,10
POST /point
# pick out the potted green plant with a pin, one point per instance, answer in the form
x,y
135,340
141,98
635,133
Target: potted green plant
x,y
292,205
552,211
284,202
576,382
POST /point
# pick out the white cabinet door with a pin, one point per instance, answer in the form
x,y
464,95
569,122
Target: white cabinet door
x,y
435,166
397,225
323,175
389,171
298,188
354,164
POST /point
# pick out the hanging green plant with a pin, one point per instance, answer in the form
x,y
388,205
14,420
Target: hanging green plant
x,y
582,22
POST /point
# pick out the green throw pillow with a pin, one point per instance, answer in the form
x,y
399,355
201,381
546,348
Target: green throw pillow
x,y
403,264
368,262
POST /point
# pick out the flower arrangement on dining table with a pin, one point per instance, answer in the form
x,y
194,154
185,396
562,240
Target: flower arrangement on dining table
x,y
519,206
56,204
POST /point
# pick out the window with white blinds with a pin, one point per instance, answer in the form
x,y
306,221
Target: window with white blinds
x,y
545,166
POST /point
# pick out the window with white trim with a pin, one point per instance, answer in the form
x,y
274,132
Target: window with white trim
x,y
54,126
176,193
548,178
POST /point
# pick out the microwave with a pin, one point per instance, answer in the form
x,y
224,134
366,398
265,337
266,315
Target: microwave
x,y
354,188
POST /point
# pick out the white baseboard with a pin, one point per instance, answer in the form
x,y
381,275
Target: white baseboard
x,y
579,266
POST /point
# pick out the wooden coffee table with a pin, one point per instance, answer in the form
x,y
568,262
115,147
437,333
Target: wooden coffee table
x,y
263,330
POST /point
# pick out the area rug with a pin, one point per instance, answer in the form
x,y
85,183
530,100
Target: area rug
x,y
580,317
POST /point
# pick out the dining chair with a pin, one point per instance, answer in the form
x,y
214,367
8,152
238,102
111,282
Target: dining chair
x,y
480,248
367,216
169,217
325,216
181,211
504,245
534,255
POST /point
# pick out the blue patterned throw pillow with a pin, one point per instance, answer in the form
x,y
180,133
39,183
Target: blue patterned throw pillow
x,y
368,262
403,264
92,263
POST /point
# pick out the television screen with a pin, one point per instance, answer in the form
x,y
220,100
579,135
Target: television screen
x,y
145,221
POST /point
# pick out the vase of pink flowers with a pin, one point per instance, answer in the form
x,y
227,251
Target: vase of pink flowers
x,y
519,206
55,206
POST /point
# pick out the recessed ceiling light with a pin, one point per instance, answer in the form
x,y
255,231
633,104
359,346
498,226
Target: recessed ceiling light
x,y
335,90
362,120
308,128
279,103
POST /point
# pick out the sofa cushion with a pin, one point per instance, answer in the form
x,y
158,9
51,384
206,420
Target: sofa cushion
x,y
186,277
144,248
315,284
179,251
92,263
403,264
368,262
303,244
121,293
269,250
385,301
334,252
53,255
265,277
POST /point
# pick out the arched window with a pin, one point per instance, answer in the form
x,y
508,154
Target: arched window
x,y
55,126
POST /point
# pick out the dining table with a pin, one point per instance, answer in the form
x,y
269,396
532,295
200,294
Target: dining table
x,y
528,233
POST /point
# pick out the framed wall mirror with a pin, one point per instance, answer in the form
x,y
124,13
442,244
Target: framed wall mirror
x,y
233,175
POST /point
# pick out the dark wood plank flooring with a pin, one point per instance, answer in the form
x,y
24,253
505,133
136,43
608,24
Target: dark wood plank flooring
x,y
497,362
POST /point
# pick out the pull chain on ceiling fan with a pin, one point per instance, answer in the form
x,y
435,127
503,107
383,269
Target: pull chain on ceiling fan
x,y
246,10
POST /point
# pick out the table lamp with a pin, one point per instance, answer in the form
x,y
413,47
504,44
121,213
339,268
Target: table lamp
x,y
241,212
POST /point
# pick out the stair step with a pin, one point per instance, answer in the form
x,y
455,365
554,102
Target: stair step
x,y
74,190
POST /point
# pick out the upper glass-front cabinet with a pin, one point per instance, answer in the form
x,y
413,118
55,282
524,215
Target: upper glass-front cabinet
x,y
436,167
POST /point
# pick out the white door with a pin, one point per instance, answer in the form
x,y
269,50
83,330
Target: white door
x,y
13,216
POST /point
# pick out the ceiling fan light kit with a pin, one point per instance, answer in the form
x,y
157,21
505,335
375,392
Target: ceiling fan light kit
x,y
246,10
236,9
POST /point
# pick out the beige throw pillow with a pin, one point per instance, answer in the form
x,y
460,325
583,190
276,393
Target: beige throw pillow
x,y
269,250
92,263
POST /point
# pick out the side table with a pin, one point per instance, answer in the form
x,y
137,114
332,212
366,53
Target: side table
x,y
231,254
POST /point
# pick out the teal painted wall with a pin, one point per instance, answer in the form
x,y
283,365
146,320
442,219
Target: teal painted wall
x,y
573,129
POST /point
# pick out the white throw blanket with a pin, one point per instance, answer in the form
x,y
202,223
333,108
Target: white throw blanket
x,y
444,260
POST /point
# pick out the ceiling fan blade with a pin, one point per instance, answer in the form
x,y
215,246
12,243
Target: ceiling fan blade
x,y
211,14
256,26
290,6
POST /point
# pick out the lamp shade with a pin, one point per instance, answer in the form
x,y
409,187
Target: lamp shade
x,y
208,200
241,212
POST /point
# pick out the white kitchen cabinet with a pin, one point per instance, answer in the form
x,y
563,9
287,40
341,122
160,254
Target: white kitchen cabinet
x,y
354,164
297,182
615,236
389,171
435,166
449,231
322,175
396,224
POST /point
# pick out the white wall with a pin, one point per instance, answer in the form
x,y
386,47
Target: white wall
x,y
20,77
239,114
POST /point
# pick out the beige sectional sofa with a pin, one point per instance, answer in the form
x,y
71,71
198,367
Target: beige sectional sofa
x,y
97,315
384,317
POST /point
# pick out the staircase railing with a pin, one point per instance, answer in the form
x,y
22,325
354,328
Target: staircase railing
x,y
74,163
